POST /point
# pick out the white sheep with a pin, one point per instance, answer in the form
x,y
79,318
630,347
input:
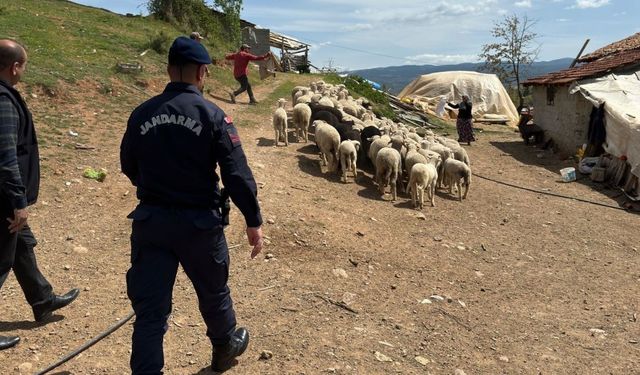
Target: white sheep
x,y
328,141
413,157
348,155
455,171
388,167
377,144
301,117
280,122
422,177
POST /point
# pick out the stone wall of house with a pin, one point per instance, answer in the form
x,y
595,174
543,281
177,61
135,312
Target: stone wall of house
x,y
565,120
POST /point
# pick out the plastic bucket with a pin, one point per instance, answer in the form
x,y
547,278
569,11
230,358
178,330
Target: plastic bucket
x,y
568,174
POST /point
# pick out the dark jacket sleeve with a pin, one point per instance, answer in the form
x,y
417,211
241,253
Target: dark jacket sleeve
x,y
128,162
453,105
10,180
235,173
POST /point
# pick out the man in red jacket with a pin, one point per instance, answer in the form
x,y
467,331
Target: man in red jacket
x,y
240,62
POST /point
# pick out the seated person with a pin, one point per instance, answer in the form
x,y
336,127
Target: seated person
x,y
528,128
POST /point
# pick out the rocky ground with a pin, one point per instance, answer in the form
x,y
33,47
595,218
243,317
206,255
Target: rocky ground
x,y
505,282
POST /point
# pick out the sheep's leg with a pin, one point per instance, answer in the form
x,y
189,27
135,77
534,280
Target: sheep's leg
x,y
394,188
353,168
411,188
343,165
432,190
286,135
277,136
466,189
459,187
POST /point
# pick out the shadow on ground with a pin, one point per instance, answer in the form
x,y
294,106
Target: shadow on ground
x,y
534,155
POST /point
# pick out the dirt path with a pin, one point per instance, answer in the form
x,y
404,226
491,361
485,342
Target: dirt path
x,y
525,277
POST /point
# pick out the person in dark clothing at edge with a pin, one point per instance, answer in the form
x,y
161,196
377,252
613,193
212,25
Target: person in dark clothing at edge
x,y
19,185
170,150
240,62
464,123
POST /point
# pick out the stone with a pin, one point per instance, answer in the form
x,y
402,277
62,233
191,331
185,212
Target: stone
x,y
421,216
459,372
80,250
268,256
271,221
503,358
67,267
266,355
464,305
25,368
596,332
339,272
382,358
437,239
422,360
426,301
437,298
460,247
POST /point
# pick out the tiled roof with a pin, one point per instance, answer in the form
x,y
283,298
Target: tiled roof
x,y
595,68
632,42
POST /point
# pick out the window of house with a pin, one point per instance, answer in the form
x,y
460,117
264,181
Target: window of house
x,y
551,95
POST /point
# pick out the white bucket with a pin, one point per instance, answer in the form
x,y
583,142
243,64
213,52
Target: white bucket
x,y
568,174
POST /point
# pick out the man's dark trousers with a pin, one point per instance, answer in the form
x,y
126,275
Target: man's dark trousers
x,y
244,86
162,238
16,252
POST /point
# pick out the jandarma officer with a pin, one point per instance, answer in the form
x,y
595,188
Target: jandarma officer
x,y
170,151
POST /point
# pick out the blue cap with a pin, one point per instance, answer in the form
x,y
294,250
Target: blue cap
x,y
186,50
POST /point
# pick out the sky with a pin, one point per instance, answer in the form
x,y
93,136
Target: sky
x,y
359,34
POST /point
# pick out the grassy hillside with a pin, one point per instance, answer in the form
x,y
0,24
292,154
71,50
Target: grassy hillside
x,y
71,42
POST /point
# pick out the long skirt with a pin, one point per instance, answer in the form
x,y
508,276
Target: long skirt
x,y
465,130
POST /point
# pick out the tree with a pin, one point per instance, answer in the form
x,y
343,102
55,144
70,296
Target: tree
x,y
513,52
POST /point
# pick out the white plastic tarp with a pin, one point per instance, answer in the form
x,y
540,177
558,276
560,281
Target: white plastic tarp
x,y
620,94
488,95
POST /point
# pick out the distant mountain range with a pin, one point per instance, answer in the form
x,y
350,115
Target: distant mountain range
x,y
395,78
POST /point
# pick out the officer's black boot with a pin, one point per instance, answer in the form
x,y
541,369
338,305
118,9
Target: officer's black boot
x,y
224,355
7,342
44,310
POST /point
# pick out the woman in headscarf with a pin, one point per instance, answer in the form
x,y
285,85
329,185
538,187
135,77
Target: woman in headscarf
x,y
464,123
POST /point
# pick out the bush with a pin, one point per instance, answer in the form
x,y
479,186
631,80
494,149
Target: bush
x,y
360,87
160,42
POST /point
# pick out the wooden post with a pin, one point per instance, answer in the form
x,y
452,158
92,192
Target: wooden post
x,y
579,53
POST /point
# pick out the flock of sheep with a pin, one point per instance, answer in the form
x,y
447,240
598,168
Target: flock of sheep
x,y
347,130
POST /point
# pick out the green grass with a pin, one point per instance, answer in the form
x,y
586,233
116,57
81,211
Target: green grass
x,y
72,42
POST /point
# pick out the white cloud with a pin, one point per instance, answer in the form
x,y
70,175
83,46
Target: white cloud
x,y
502,12
583,4
358,27
523,4
562,20
317,46
435,59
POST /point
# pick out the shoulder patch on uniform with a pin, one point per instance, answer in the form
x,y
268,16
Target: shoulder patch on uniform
x,y
233,135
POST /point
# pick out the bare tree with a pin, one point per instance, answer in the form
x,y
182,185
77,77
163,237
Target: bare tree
x,y
513,52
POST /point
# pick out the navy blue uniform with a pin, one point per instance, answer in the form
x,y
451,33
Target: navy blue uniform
x,y
170,151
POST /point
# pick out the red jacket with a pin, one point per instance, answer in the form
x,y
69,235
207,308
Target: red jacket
x,y
241,60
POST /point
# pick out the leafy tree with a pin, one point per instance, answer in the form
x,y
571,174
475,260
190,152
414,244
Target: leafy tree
x,y
199,15
512,52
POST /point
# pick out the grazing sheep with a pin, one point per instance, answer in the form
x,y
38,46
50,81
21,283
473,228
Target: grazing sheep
x,y
454,171
328,141
315,107
325,100
422,176
377,144
301,118
388,166
413,157
348,155
280,122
